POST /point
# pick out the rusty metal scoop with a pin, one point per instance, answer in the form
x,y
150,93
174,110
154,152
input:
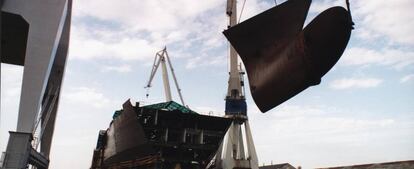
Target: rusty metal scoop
x,y
280,57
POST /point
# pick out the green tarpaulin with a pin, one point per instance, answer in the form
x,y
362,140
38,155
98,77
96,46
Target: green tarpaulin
x,y
171,105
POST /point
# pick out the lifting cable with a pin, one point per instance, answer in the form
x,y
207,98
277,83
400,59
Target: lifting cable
x,y
241,12
349,11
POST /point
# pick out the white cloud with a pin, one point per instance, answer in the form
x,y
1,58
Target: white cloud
x,y
145,27
321,5
108,45
11,83
85,95
320,119
375,19
391,19
83,111
11,79
150,15
407,78
310,135
296,133
395,58
195,62
253,7
118,68
346,83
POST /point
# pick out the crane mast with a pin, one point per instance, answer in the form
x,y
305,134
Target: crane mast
x,y
165,79
235,100
237,149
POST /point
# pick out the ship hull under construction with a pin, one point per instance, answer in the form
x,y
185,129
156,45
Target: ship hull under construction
x,y
165,135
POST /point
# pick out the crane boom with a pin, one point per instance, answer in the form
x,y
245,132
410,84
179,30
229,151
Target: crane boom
x,y
165,79
155,66
174,77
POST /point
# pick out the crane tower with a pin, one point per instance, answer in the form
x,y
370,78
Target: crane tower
x,y
237,149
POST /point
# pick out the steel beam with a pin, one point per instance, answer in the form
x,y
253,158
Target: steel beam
x,y
46,19
55,80
44,59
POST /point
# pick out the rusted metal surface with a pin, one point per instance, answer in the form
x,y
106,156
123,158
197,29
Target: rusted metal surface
x,y
280,57
126,138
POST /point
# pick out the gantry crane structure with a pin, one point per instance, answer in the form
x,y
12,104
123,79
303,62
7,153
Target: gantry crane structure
x,y
35,35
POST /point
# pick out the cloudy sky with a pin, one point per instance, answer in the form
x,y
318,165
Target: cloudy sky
x,y
362,112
